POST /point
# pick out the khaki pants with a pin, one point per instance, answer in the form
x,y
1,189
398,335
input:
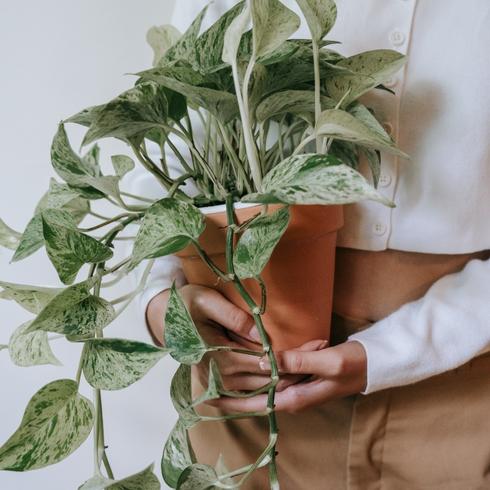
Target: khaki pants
x,y
432,435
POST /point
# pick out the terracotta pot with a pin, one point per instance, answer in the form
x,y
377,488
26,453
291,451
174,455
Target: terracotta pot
x,y
299,276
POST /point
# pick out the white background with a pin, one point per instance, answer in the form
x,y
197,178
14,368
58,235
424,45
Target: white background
x,y
58,57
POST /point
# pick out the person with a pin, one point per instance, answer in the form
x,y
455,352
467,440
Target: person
x,y
399,399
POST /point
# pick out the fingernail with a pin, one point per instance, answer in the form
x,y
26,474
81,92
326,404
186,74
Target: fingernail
x,y
254,334
323,345
264,364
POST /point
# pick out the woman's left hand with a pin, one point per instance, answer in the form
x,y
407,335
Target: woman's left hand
x,y
334,372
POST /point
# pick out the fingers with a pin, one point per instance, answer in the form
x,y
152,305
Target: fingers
x,y
246,382
303,360
208,304
293,399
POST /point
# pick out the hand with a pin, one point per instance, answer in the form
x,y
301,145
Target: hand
x,y
220,323
335,372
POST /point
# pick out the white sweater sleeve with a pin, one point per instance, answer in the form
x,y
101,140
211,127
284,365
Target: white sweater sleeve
x,y
441,331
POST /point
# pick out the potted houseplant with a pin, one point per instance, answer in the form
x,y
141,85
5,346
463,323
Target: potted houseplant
x,y
265,201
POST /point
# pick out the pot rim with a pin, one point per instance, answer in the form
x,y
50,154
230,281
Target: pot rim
x,y
221,208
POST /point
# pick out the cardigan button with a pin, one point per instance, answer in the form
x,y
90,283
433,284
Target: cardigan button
x,y
384,180
397,38
379,229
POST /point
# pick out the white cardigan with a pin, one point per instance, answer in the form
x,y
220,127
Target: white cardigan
x,y
441,117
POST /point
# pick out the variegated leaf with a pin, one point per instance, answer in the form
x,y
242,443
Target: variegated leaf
x,y
364,72
315,179
135,111
290,102
223,105
31,349
144,480
168,226
56,421
122,164
215,385
97,482
177,454
69,166
67,248
59,196
9,238
74,312
341,125
273,23
255,246
234,31
181,395
181,336
32,298
114,364
320,16
198,477
183,48
161,39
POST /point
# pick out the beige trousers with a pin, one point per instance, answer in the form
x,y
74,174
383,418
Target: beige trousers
x,y
432,435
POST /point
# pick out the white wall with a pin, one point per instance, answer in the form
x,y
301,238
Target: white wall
x,y
58,57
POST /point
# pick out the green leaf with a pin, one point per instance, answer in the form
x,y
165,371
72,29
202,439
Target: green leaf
x,y
87,116
273,23
67,248
177,454
69,166
184,47
255,246
55,423
30,349
122,165
233,32
374,161
223,105
315,179
168,226
132,113
320,16
144,480
197,477
364,72
59,196
74,311
341,125
297,102
181,335
114,364
215,384
97,482
181,395
31,298
9,238
161,39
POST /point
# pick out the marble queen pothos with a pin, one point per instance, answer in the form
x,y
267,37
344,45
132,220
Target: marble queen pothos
x,y
262,98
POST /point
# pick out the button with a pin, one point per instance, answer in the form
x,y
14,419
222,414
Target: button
x,y
388,127
384,180
379,229
397,38
391,82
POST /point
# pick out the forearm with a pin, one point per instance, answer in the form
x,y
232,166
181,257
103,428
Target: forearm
x,y
155,316
441,331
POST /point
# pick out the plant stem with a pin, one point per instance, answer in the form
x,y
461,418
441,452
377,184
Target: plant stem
x,y
105,223
273,428
318,105
138,198
204,256
243,106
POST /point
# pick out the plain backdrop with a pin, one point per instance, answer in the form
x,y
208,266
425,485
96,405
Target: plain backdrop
x,y
58,57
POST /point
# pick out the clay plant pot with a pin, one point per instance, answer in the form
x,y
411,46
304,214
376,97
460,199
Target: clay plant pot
x,y
299,276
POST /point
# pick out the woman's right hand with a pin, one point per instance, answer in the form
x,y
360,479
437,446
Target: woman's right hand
x,y
220,323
